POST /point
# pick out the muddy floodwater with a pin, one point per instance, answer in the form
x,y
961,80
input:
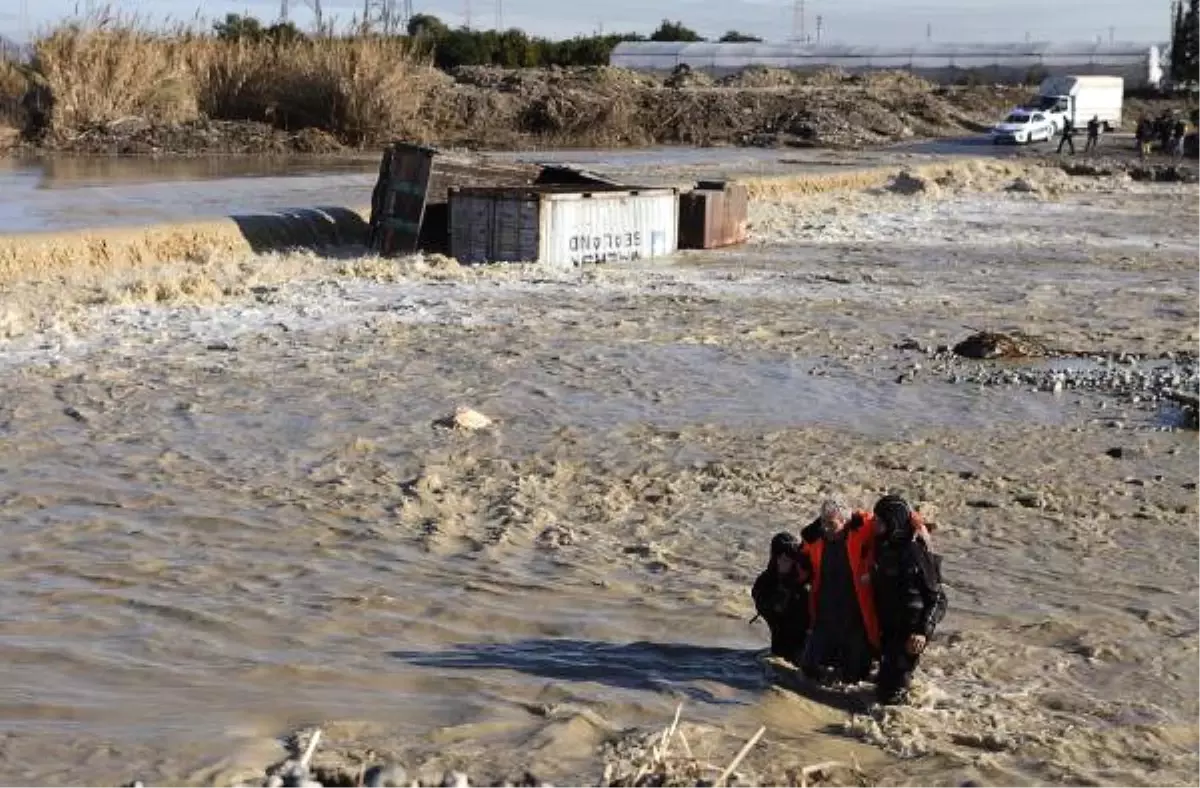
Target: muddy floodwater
x,y
65,192
228,512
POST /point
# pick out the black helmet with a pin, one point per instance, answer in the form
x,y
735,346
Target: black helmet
x,y
895,515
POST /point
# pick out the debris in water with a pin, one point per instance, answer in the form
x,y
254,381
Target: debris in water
x,y
388,775
907,183
987,344
455,780
465,418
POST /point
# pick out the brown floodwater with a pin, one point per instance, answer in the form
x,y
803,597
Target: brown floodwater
x,y
54,192
228,512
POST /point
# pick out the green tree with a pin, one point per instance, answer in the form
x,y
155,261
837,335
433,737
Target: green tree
x,y
674,31
236,27
514,49
284,33
427,25
1185,42
734,37
459,47
1177,35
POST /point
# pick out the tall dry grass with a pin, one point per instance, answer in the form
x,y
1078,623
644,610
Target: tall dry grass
x,y
14,81
102,71
360,88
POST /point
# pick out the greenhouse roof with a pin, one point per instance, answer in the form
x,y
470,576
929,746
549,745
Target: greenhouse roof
x,y
680,49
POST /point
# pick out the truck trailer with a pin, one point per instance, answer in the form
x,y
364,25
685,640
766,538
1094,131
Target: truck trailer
x,y
1081,98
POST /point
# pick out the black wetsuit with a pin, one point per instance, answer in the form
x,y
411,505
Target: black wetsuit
x,y
782,601
910,601
1093,135
1068,136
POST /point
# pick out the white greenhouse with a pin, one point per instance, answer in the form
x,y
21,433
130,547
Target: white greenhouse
x,y
1139,64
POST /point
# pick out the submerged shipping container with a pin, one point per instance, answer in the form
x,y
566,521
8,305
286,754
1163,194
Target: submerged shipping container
x,y
713,215
562,224
398,201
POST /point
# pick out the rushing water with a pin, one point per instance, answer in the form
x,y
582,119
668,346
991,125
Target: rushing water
x,y
229,516
71,192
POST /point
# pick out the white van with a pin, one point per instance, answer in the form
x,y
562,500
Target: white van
x,y
1081,99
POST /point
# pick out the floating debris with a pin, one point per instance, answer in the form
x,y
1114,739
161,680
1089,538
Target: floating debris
x,y
987,344
465,418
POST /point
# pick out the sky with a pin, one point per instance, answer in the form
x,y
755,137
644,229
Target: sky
x,y
897,22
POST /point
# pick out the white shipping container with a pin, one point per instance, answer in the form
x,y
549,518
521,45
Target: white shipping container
x,y
562,225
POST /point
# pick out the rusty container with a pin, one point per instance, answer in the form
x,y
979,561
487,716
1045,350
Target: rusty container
x,y
398,201
713,215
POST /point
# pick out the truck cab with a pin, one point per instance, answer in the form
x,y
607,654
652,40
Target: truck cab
x,y
1056,109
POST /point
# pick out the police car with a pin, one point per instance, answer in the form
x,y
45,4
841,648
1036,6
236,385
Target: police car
x,y
1023,126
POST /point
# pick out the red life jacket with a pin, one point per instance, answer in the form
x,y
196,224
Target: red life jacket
x,y
860,547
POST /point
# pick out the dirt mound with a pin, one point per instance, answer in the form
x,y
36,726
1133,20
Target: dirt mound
x,y
141,136
494,108
761,77
684,77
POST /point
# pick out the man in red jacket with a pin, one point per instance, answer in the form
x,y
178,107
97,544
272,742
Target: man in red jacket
x,y
844,638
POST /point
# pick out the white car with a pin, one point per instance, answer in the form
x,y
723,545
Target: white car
x,y
1021,127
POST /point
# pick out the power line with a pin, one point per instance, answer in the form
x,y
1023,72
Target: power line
x,y
315,5
387,16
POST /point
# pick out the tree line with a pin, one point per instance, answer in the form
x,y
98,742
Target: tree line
x,y
513,48
1184,62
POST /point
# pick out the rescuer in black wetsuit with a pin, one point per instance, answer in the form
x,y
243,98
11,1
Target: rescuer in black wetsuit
x,y
781,597
909,597
1068,135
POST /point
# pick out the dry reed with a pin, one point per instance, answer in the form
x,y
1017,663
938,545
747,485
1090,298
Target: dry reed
x,y
361,88
14,81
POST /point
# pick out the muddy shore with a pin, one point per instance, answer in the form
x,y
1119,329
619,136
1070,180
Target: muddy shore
x,y
233,514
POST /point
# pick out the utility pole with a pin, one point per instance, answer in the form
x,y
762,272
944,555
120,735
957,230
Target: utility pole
x,y
384,16
929,31
798,23
283,12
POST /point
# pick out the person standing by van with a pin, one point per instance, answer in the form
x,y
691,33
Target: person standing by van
x,y
1068,135
1180,132
1144,134
1093,135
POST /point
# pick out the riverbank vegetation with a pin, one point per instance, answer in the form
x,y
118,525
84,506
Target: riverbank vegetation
x,y
116,84
358,84
107,70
